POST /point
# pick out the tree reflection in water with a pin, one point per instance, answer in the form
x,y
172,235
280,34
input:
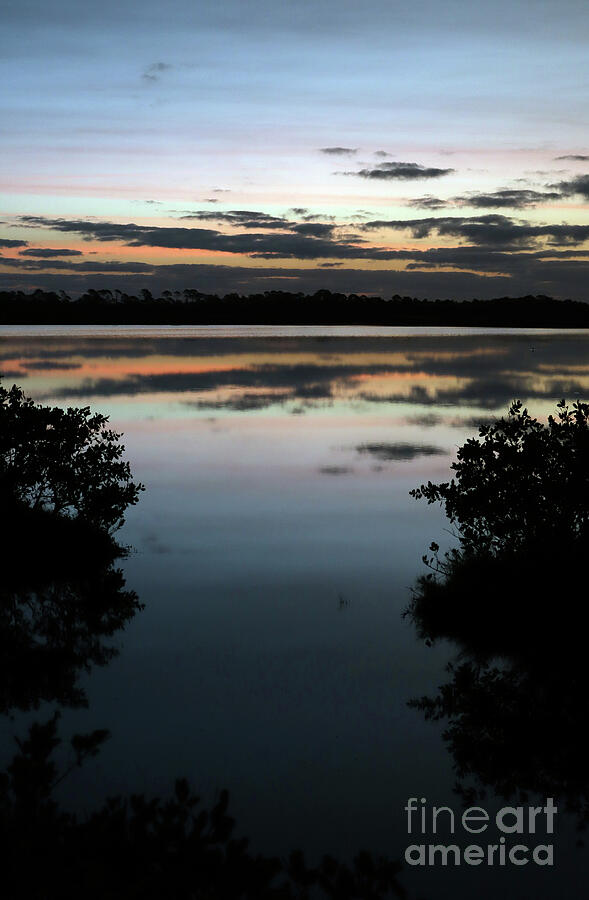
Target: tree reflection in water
x,y
511,596
60,608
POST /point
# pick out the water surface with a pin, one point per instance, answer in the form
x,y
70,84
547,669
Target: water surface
x,y
274,549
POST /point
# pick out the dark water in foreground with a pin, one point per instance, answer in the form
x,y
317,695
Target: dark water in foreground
x,y
275,547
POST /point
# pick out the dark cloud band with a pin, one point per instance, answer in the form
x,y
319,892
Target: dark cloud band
x,y
400,171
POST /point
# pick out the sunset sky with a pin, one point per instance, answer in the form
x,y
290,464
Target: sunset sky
x,y
432,149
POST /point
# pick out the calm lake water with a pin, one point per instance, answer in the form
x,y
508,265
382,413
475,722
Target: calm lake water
x,y
274,550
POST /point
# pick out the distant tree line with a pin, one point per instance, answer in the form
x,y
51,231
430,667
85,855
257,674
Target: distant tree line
x,y
191,307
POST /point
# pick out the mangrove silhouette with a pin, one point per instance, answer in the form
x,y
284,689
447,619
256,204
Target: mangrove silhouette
x,y
191,307
65,463
510,596
63,492
64,489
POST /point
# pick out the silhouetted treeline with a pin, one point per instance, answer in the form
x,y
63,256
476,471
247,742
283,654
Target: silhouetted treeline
x,y
191,307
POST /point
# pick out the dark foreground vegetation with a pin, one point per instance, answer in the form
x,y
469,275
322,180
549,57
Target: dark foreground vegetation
x,y
64,489
191,307
512,596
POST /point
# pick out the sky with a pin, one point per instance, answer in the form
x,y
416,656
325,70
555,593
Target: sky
x,y
426,149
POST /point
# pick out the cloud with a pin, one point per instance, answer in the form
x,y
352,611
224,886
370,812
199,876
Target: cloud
x,y
496,255
535,264
487,395
400,171
303,242
428,202
50,365
474,422
338,151
574,157
492,229
462,377
381,153
507,198
487,380
315,391
294,381
245,402
47,252
511,199
154,71
6,242
115,266
242,218
315,229
400,452
312,217
425,420
576,186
